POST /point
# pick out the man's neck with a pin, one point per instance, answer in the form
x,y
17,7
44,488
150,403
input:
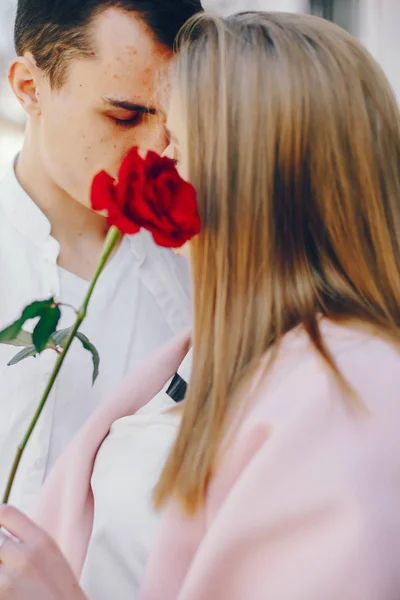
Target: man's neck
x,y
79,231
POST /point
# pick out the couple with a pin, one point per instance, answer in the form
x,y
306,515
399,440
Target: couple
x,y
282,476
85,77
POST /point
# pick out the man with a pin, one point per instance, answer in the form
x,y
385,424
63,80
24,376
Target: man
x,y
85,75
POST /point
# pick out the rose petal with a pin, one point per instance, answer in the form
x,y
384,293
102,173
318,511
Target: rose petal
x,y
132,170
124,224
102,192
149,193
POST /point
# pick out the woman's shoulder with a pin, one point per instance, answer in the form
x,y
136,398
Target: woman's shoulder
x,y
303,429
369,364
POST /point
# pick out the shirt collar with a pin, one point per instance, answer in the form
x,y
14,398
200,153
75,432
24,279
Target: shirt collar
x,y
25,215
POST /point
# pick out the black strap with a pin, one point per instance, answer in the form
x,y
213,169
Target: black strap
x,y
177,388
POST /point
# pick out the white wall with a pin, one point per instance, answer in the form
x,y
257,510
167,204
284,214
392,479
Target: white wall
x,y
378,25
226,7
11,115
379,31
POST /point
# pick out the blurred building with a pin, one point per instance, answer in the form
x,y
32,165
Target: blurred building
x,y
375,22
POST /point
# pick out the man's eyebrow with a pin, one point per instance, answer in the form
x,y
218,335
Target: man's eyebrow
x,y
132,106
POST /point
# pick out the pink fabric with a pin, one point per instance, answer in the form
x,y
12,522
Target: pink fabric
x,y
65,507
306,503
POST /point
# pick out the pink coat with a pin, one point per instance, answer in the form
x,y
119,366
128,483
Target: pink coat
x,y
306,504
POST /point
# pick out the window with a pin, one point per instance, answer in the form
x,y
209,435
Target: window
x,y
343,12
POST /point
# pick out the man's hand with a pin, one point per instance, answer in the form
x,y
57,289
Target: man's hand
x,y
32,567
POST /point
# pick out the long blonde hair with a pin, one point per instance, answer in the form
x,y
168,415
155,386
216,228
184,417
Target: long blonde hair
x,y
293,146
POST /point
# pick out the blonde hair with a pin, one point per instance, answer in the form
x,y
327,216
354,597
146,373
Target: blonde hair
x,y
294,148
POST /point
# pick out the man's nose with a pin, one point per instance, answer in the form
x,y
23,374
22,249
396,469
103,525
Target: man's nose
x,y
169,151
160,141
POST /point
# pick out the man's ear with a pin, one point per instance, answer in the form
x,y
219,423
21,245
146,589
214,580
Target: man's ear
x,y
23,76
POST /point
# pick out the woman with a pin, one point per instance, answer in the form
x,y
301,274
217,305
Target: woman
x,y
284,479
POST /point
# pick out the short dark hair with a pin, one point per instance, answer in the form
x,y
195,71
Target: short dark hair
x,y
56,31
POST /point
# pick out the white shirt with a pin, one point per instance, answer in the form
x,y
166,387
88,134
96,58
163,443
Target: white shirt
x,y
141,301
127,467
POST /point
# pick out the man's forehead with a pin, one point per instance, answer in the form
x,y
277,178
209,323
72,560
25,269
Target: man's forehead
x,y
130,87
122,38
128,63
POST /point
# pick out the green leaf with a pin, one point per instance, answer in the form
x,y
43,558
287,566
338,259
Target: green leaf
x,y
87,344
36,309
25,353
56,339
23,338
60,337
46,326
9,334
33,310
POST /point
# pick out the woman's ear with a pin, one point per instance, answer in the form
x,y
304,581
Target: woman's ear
x,y
23,78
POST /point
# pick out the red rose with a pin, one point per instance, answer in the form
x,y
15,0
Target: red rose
x,y
149,193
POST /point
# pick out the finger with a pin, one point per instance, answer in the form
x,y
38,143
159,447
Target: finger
x,y
6,584
14,556
19,524
3,538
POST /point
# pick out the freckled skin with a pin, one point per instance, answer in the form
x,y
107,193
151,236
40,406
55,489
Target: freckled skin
x,y
75,136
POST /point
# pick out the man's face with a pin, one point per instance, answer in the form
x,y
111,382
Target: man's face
x,y
100,111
